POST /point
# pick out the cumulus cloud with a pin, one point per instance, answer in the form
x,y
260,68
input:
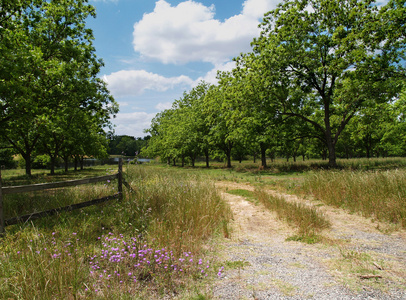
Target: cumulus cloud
x,y
135,82
162,106
133,124
106,1
210,76
189,32
257,8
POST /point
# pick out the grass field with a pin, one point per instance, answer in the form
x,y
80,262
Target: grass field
x,y
157,239
152,242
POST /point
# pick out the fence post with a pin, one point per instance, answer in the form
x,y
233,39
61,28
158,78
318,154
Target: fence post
x,y
1,208
120,177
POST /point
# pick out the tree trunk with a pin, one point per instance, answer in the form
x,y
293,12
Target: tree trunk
x,y
331,154
27,158
76,163
331,144
66,161
263,155
228,154
368,144
53,160
206,153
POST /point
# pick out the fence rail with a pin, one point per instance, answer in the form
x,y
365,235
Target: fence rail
x,y
54,185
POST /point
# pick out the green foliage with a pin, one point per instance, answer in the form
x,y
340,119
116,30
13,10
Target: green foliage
x,y
324,79
41,162
316,46
50,94
126,145
6,159
181,131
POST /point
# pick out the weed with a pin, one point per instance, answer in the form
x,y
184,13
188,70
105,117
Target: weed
x,y
237,264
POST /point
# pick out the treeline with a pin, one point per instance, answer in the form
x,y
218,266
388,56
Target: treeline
x,y
126,145
52,103
324,79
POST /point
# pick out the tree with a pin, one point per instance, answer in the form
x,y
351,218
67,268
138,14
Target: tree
x,y
192,121
218,111
60,74
159,144
254,109
14,53
336,58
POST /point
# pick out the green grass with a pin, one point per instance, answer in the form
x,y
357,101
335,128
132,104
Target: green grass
x,y
169,216
176,211
237,264
248,195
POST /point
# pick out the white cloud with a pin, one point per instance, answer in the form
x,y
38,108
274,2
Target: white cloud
x,y
257,8
135,82
162,106
210,76
133,124
189,32
106,1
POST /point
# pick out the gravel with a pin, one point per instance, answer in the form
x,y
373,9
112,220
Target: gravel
x,y
278,269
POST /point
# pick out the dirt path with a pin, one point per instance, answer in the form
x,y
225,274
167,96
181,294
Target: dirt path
x,y
261,264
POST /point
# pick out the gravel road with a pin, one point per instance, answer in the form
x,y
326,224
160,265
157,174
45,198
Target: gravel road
x,y
261,264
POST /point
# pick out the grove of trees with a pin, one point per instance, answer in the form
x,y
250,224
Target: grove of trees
x,y
126,145
51,100
324,79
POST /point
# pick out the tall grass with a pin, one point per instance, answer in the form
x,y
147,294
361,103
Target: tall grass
x,y
148,245
308,220
378,194
32,202
176,207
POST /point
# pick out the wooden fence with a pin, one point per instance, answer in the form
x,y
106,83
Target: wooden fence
x,y
54,185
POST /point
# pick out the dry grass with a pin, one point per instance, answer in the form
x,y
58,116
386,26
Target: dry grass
x,y
379,194
309,221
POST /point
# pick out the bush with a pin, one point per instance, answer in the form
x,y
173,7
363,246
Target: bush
x,y
6,159
41,162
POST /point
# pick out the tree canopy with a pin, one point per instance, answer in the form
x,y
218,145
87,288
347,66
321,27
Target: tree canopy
x,y
48,79
317,78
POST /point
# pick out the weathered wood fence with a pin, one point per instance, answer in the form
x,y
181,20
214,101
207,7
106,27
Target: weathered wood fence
x,y
54,185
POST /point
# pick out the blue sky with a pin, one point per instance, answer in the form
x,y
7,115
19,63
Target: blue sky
x,y
154,50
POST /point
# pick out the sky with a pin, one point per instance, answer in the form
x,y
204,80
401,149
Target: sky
x,y
154,50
